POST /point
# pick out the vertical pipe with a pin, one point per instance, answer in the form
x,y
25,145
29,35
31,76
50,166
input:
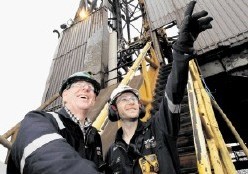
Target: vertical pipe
x,y
112,62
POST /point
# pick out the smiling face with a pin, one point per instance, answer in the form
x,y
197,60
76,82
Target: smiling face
x,y
79,97
128,106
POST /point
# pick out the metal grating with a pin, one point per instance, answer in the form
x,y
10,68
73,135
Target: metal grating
x,y
230,25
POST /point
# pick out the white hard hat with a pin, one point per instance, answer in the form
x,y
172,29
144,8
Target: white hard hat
x,y
121,89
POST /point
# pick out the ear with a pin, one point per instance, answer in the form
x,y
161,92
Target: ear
x,y
113,113
64,93
142,111
114,107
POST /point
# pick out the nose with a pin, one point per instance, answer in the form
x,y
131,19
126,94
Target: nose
x,y
86,88
131,101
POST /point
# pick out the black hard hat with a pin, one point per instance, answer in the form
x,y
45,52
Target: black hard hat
x,y
82,75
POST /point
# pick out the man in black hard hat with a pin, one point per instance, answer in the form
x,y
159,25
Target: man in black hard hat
x,y
61,142
151,147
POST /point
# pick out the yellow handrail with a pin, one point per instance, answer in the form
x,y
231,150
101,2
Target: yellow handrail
x,y
149,75
232,128
219,155
102,117
203,163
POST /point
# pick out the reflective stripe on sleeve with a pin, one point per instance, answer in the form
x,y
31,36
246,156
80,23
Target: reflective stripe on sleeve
x,y
36,144
174,108
60,123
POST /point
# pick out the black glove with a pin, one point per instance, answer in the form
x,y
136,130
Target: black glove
x,y
191,26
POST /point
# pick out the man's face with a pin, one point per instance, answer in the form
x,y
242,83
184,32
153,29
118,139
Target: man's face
x,y
127,105
80,96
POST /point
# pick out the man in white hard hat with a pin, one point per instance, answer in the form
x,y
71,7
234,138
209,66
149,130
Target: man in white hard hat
x,y
61,142
151,147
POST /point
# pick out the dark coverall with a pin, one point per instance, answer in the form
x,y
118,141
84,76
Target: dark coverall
x,y
55,144
158,135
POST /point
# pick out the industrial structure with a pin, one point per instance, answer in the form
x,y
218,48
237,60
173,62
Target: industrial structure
x,y
129,42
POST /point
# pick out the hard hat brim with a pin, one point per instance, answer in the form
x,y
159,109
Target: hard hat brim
x,y
74,79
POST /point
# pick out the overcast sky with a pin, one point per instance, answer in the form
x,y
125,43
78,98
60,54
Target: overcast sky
x,y
27,45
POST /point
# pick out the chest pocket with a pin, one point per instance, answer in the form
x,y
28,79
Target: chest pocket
x,y
148,162
149,143
143,144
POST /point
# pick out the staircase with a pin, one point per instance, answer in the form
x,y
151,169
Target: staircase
x,y
185,140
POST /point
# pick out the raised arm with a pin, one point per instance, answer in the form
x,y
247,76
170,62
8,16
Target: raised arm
x,y
183,52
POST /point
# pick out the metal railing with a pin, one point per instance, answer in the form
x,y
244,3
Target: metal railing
x,y
13,131
211,150
145,89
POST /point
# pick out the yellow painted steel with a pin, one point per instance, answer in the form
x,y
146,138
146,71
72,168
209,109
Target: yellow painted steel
x,y
214,157
201,108
203,163
221,163
217,155
14,131
150,77
129,76
146,96
145,90
232,128
224,153
5,142
102,117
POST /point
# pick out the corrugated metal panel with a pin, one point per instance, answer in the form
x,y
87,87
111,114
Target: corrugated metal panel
x,y
72,48
230,25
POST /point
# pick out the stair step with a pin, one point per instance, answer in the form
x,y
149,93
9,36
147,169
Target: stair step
x,y
188,161
185,143
186,149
